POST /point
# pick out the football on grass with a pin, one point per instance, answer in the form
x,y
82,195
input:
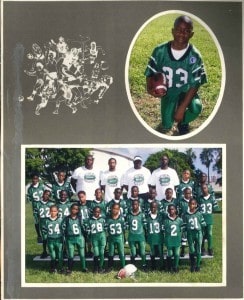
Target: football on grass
x,y
158,83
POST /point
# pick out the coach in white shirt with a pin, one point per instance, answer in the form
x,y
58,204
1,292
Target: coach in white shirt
x,y
137,176
163,178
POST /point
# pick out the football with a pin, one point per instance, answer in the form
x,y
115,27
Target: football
x,y
127,271
158,84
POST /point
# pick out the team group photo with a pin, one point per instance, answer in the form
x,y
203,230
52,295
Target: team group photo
x,y
123,215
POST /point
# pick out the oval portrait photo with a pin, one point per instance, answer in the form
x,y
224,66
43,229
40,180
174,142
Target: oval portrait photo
x,y
175,75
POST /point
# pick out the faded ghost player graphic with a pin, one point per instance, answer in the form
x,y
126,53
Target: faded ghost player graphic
x,y
71,73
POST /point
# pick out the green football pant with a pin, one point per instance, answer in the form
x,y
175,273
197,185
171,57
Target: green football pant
x,y
142,250
99,244
78,242
168,108
195,242
208,234
119,243
174,251
55,247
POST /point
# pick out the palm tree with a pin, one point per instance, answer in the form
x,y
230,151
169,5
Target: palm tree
x,y
207,157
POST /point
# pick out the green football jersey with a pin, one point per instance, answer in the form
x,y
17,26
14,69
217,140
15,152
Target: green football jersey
x,y
154,229
181,74
72,226
96,226
163,205
183,205
115,227
194,221
42,209
180,188
136,224
101,204
34,193
123,206
198,191
64,208
207,206
172,230
130,201
53,228
84,211
57,188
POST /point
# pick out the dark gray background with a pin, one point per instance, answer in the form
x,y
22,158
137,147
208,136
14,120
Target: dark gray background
x,y
112,25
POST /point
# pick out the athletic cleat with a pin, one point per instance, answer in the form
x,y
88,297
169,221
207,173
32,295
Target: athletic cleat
x,y
183,129
44,255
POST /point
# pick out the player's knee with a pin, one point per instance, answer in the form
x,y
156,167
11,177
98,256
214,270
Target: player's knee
x,y
196,107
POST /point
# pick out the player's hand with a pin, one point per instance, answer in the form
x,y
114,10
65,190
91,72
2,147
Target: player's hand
x,y
179,114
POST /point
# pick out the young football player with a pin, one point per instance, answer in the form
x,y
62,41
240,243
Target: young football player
x,y
42,211
63,205
194,222
136,225
208,205
34,195
154,234
135,196
184,182
169,199
183,207
172,228
115,225
53,229
74,235
96,229
117,200
61,184
183,67
151,198
98,201
198,186
84,206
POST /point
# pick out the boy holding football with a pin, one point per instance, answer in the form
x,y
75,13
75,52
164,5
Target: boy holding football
x,y
182,65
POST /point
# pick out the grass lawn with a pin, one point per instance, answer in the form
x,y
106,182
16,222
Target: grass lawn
x,y
157,32
38,272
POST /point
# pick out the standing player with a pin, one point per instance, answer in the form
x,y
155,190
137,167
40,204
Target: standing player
x,y
137,176
34,195
183,67
154,234
136,225
185,182
42,211
208,205
172,228
110,180
117,200
194,222
115,224
86,178
163,178
151,198
74,235
135,196
61,185
98,201
53,229
198,187
96,229
168,200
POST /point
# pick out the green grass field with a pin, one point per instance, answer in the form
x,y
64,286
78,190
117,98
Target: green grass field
x,y
38,272
156,32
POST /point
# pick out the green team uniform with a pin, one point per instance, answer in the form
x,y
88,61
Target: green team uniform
x,y
57,188
183,184
42,211
74,235
130,201
115,229
198,191
194,222
155,237
96,229
53,229
172,230
123,206
101,204
136,224
182,74
34,195
147,204
64,208
208,205
163,205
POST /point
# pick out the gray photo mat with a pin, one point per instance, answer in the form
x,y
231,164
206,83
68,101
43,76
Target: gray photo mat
x,y
113,25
